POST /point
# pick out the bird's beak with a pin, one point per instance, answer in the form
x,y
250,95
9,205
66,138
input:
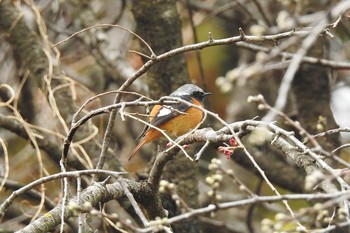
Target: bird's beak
x,y
206,94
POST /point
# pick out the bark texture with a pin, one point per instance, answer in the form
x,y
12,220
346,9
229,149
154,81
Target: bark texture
x,y
159,24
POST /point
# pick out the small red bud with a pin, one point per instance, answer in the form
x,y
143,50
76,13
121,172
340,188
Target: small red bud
x,y
232,142
226,150
228,154
169,144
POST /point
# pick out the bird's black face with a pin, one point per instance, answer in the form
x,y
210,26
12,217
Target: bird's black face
x,y
199,95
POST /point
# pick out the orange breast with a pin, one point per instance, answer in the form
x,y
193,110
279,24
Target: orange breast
x,y
176,126
183,123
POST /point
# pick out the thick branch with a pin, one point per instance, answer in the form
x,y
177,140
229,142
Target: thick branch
x,y
94,194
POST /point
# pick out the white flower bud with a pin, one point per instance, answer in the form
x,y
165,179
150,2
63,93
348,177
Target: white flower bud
x,y
257,30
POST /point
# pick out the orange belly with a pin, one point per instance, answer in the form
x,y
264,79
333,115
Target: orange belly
x,y
177,126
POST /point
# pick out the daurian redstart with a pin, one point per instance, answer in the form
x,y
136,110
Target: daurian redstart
x,y
175,120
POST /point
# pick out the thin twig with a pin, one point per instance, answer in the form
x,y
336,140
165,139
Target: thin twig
x,y
198,155
338,197
105,25
80,215
292,69
4,206
305,59
7,166
101,95
346,145
262,12
196,40
133,202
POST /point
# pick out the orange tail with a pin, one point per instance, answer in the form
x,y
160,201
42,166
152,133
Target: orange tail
x,y
143,142
149,137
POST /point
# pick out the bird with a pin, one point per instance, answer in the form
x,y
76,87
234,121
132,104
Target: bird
x,y
175,120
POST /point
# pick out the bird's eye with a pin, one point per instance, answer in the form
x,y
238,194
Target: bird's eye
x,y
197,94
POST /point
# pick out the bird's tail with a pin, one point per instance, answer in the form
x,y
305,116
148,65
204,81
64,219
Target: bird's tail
x,y
138,147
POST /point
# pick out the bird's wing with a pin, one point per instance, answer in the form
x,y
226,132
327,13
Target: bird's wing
x,y
166,113
163,113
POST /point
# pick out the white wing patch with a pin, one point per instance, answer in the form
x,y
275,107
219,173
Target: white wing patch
x,y
163,112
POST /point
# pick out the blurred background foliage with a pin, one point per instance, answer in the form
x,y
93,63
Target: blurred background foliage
x,y
99,60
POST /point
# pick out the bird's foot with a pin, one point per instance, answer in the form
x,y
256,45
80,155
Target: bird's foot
x,y
169,144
